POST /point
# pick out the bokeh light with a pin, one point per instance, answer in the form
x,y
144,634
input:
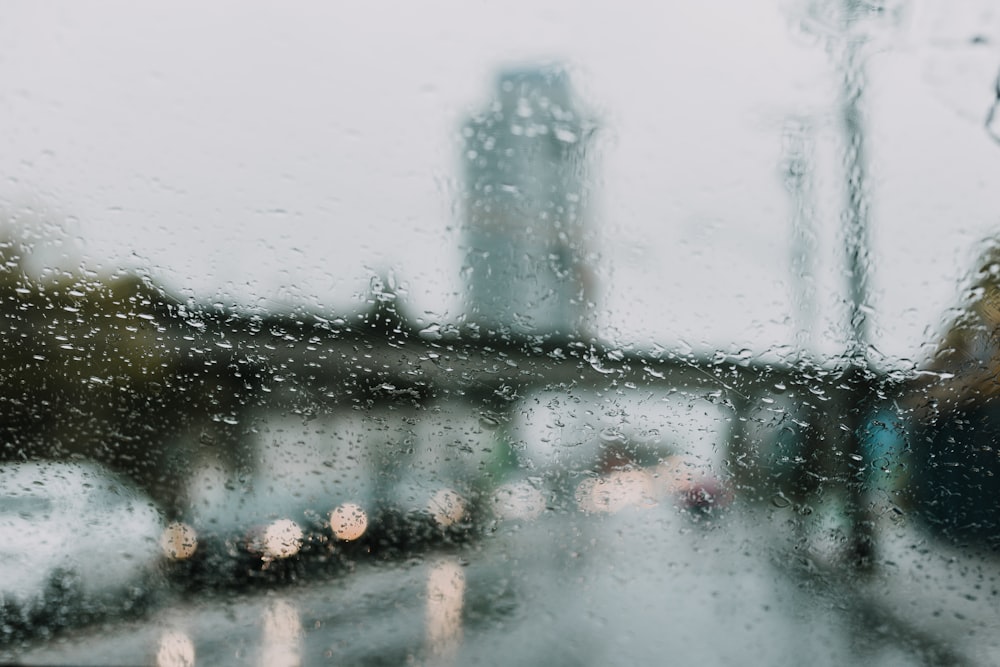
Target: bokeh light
x,y
447,507
680,474
616,491
348,522
179,541
518,500
282,538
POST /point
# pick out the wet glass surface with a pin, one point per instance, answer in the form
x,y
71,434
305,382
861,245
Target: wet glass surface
x,y
499,335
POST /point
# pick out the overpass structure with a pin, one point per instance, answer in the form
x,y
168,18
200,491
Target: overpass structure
x,y
147,385
309,365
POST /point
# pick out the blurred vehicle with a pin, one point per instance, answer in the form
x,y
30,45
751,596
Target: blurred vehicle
x,y
309,500
327,491
639,451
76,542
955,404
233,531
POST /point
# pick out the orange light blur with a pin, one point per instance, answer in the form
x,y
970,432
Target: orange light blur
x,y
348,522
616,491
179,541
680,474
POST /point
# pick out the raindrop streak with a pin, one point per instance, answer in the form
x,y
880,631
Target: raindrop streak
x,y
489,420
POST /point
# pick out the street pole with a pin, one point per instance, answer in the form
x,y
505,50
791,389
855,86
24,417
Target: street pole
x,y
856,242
856,213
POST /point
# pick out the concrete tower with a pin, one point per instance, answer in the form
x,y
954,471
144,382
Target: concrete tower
x,y
526,190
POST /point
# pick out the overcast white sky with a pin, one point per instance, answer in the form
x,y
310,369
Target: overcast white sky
x,y
273,154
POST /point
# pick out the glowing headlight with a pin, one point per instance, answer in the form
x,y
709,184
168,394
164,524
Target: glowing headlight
x,y
179,541
281,539
348,522
616,491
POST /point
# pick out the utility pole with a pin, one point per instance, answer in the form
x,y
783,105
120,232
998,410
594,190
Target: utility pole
x,y
856,243
856,213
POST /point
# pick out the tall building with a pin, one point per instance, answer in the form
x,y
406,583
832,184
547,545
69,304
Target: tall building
x,y
526,192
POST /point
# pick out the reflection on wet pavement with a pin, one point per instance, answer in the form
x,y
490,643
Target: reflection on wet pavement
x,y
602,589
280,636
175,650
445,602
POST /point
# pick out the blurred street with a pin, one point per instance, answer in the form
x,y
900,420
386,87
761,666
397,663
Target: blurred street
x,y
637,587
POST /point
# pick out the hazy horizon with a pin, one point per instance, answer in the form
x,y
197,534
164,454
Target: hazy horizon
x,y
273,159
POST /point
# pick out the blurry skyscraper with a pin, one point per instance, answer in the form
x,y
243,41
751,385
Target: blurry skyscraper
x,y
526,191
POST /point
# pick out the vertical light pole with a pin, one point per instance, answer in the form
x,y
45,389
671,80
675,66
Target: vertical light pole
x,y
857,210
858,256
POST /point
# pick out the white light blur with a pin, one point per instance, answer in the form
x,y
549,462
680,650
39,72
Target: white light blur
x,y
348,522
681,474
179,541
518,500
447,507
445,602
616,491
175,649
282,539
281,636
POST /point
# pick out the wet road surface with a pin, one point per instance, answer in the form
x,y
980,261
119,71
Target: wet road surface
x,y
644,586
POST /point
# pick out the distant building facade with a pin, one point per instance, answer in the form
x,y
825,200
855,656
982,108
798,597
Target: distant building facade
x,y
527,264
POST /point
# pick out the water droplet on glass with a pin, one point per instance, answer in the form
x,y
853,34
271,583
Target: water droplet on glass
x,y
431,332
612,435
489,420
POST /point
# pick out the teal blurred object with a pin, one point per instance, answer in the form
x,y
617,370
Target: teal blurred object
x,y
884,440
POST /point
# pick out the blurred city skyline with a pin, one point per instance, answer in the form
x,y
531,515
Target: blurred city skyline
x,y
248,155
526,227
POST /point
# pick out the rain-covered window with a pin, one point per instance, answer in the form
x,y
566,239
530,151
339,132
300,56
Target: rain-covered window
x,y
510,334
